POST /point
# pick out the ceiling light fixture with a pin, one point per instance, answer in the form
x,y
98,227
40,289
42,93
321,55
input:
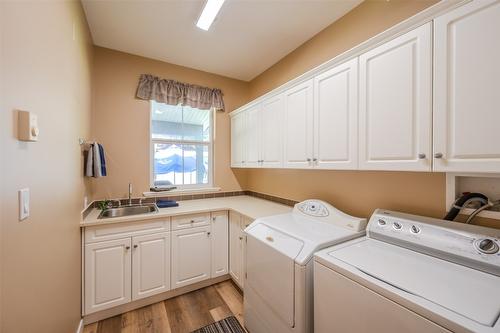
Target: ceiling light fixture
x,y
210,11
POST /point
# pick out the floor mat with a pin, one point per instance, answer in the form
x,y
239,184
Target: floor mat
x,y
226,325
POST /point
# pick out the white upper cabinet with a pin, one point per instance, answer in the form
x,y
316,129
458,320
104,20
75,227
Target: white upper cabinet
x,y
336,117
395,104
238,140
220,243
271,132
253,136
467,88
298,126
150,265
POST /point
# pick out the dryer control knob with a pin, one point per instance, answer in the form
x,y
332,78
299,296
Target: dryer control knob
x,y
487,245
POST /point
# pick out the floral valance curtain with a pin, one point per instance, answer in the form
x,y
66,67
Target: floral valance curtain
x,y
175,93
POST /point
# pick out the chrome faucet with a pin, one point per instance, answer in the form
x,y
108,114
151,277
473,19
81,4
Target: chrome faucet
x,y
130,194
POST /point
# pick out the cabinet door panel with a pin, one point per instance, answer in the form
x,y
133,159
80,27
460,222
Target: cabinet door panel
x,y
466,88
107,274
235,248
220,243
237,140
151,265
253,136
272,133
336,117
395,104
299,126
191,256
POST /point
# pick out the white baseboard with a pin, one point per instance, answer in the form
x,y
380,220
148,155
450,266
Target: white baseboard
x,y
79,329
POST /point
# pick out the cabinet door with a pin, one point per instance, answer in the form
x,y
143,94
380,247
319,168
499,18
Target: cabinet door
x,y
336,117
235,248
253,136
298,126
245,222
107,274
191,256
237,140
150,265
466,88
272,133
395,104
220,243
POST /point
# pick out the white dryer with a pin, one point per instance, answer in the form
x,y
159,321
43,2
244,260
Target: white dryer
x,y
410,274
279,251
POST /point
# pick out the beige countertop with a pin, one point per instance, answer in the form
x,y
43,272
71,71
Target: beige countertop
x,y
246,205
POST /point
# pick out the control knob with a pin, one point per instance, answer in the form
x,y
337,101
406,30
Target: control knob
x,y
487,245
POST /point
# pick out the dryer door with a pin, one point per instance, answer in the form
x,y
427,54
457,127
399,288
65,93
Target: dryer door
x,y
270,269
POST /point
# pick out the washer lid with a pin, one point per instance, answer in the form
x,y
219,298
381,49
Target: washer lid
x,y
468,292
298,236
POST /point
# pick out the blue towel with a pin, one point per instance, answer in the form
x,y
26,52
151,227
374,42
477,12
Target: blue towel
x,y
103,161
166,203
96,161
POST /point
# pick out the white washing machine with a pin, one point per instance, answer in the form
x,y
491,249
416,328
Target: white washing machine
x,y
279,251
410,274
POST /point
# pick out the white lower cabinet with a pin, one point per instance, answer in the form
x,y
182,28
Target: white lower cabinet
x,y
237,242
108,278
220,243
135,262
191,256
150,265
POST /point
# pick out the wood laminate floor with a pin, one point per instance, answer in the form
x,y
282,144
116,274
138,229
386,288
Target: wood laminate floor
x,y
181,314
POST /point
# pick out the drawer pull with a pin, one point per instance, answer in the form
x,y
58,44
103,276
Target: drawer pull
x,y
127,247
135,246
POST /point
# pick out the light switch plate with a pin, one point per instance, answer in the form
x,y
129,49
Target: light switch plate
x,y
24,203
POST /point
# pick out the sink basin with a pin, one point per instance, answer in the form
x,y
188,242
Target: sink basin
x,y
127,211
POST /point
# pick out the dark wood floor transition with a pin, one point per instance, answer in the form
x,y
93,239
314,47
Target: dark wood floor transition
x,y
181,314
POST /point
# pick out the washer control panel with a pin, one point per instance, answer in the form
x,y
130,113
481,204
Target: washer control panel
x,y
314,208
470,245
321,211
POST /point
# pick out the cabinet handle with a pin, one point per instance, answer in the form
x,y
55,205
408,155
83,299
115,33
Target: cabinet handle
x,y
208,233
421,156
135,246
127,247
438,155
308,160
315,159
192,221
241,238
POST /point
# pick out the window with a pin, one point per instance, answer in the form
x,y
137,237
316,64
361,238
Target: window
x,y
181,144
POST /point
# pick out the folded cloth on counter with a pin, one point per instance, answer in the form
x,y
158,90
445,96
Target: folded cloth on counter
x,y
96,161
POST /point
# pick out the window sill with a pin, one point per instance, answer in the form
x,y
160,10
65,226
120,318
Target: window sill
x,y
202,190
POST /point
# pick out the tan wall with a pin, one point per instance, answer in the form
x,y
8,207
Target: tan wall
x,y
366,20
121,122
45,71
355,192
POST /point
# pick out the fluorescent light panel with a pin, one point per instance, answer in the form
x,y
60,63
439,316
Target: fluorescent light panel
x,y
210,11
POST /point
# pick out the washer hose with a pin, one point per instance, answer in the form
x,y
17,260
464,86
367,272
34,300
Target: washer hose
x,y
460,202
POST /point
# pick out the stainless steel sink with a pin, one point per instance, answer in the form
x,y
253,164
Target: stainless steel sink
x,y
128,210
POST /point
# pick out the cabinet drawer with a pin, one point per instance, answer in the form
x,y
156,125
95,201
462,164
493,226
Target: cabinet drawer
x,y
119,230
190,221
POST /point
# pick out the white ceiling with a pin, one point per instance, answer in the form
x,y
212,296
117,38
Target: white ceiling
x,y
247,37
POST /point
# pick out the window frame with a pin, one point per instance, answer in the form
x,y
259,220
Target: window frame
x,y
209,144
